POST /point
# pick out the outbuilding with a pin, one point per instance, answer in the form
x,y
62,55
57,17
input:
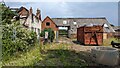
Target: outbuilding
x,y
73,23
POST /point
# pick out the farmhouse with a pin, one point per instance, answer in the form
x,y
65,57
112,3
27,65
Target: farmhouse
x,y
30,20
73,23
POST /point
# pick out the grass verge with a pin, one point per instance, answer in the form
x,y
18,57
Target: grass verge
x,y
25,59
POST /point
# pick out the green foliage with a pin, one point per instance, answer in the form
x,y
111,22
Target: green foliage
x,y
16,38
51,34
62,55
107,42
23,40
25,58
63,32
6,14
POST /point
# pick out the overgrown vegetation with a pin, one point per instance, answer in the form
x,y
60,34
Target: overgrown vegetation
x,y
62,32
28,58
51,34
20,48
6,14
51,55
107,42
21,42
15,37
62,55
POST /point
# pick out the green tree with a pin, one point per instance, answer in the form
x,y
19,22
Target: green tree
x,y
6,14
22,42
15,37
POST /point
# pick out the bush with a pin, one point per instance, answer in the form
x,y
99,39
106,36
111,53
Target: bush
x,y
15,37
23,40
51,34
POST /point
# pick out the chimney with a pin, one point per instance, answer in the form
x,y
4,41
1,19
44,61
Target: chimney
x,y
30,11
38,14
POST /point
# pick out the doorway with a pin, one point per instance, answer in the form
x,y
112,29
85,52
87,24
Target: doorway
x,y
64,31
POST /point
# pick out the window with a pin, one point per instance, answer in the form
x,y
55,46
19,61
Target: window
x,y
47,23
75,23
64,22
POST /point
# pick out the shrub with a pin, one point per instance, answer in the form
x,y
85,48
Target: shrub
x,y
23,40
51,34
15,37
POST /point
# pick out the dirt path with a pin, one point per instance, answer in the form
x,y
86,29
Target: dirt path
x,y
75,46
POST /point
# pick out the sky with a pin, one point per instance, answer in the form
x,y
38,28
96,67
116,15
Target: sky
x,y
61,0
61,9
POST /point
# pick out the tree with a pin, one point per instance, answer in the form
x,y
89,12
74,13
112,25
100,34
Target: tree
x,y
15,37
6,14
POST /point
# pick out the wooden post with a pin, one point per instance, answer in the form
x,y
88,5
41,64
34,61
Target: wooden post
x,y
57,36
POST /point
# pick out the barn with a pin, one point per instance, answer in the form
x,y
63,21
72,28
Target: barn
x,y
73,23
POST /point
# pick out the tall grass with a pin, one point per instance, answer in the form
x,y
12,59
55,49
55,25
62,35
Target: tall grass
x,y
25,59
32,56
60,54
107,42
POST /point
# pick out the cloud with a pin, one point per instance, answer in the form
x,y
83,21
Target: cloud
x,y
61,0
74,9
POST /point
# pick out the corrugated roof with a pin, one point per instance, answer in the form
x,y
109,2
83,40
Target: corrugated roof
x,y
83,22
116,27
80,21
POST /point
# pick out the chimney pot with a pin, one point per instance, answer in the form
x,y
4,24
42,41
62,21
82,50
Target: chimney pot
x,y
30,10
38,14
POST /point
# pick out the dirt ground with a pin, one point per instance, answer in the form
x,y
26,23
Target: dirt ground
x,y
68,52
75,45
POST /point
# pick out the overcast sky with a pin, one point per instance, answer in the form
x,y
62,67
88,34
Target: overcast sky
x,y
73,9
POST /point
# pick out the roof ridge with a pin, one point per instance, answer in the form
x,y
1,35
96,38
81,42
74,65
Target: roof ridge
x,y
82,18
